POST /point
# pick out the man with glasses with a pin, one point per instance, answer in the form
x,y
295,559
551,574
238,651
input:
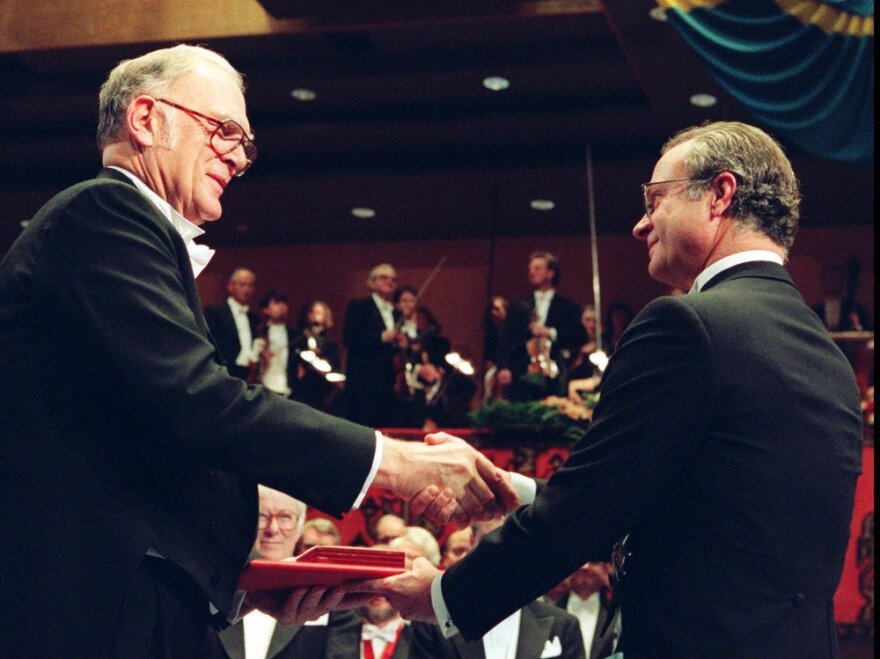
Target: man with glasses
x,y
725,447
119,428
371,336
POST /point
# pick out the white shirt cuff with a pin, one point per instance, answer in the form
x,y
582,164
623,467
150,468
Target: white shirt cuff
x,y
526,488
440,611
377,460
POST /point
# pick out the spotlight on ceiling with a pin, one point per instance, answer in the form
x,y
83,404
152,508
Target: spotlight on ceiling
x,y
703,100
302,94
363,213
496,83
542,204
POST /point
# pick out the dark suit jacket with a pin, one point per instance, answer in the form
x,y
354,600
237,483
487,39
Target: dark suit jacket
x,y
295,642
603,645
539,624
564,315
726,443
344,641
225,335
369,367
120,430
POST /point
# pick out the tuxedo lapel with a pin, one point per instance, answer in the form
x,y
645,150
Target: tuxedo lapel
x,y
281,638
534,632
232,640
472,650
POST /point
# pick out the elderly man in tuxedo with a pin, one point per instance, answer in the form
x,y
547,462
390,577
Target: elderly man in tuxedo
x,y
233,325
120,429
725,447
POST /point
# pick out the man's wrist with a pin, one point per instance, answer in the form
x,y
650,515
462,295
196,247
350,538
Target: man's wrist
x,y
444,619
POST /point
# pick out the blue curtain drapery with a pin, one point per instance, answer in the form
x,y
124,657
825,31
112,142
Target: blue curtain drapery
x,y
804,68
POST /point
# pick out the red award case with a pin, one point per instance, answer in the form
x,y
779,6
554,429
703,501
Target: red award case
x,y
322,566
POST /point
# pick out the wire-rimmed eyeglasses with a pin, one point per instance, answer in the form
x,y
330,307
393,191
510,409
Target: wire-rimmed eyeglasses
x,y
226,138
286,520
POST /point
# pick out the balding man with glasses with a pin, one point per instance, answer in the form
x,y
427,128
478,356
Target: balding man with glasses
x,y
122,436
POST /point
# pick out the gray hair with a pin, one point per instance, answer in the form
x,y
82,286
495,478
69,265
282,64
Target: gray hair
x,y
298,506
767,197
421,538
153,73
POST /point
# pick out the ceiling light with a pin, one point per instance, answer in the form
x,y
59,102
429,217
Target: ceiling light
x,y
658,14
703,100
363,213
542,204
496,83
302,94
23,224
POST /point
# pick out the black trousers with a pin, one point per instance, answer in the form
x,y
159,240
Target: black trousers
x,y
164,615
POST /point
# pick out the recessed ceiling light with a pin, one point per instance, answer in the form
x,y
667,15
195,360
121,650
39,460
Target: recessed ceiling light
x,y
703,100
23,224
496,83
363,213
302,94
658,14
542,204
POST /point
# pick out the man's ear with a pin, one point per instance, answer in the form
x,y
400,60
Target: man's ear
x,y
723,186
142,121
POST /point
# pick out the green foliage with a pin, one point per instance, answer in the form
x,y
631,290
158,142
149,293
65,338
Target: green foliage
x,y
531,420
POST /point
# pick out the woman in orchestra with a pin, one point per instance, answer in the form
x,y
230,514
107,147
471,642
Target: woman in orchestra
x,y
312,343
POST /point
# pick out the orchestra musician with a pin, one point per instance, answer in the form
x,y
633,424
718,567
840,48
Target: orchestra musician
x,y
539,336
310,384
370,338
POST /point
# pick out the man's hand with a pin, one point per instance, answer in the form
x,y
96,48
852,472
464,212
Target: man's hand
x,y
409,593
468,486
300,605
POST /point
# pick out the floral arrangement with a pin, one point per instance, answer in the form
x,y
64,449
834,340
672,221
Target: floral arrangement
x,y
553,419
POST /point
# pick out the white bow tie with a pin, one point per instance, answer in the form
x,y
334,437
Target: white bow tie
x,y
371,632
199,256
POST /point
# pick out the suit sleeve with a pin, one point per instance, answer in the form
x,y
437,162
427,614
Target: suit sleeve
x,y
116,270
657,398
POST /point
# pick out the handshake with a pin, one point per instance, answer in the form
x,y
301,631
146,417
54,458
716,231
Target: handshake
x,y
445,479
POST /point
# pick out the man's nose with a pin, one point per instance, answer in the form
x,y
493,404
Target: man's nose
x,y
642,228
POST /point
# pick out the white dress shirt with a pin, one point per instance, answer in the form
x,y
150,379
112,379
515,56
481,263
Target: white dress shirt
x,y
500,642
199,255
380,636
587,613
275,374
258,630
729,261
543,299
386,309
243,327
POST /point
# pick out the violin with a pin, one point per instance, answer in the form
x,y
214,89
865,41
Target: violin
x,y
538,349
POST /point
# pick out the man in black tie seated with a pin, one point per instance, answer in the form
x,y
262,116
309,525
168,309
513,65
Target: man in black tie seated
x,y
257,635
538,630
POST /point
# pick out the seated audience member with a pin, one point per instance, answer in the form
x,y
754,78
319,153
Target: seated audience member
x,y
374,631
388,527
310,384
318,532
458,544
536,630
618,318
418,542
587,599
256,635
558,591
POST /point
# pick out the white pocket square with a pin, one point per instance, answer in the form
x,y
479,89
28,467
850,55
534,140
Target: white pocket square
x,y
318,622
552,648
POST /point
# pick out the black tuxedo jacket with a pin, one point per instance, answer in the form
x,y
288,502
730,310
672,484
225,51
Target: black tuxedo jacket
x,y
297,641
223,330
120,431
727,444
564,315
369,366
541,627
